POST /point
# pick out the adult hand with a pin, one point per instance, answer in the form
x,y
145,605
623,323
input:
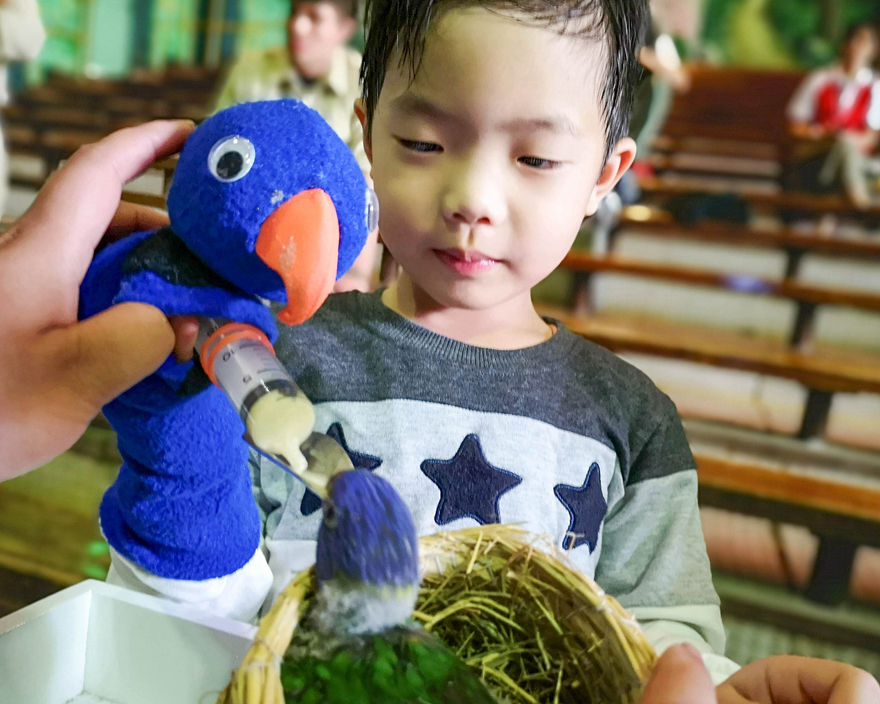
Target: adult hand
x,y
57,373
680,677
787,679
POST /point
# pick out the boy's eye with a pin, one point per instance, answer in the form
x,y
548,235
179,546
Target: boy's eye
x,y
416,146
536,162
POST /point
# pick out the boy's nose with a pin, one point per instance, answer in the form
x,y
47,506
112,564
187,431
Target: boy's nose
x,y
475,196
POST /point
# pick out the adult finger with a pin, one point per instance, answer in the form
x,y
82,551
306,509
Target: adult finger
x,y
105,355
680,677
787,679
62,378
133,217
77,205
186,329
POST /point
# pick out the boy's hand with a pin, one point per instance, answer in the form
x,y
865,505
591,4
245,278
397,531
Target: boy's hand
x,y
56,373
787,679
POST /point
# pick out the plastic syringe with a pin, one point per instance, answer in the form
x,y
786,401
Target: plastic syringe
x,y
240,359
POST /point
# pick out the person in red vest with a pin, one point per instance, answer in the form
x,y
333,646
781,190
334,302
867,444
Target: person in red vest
x,y
838,109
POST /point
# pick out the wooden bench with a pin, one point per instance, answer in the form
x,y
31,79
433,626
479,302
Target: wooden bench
x,y
729,132
795,242
730,122
51,121
768,199
822,373
807,297
841,510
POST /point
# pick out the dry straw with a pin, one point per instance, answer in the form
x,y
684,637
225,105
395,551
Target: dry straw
x,y
536,630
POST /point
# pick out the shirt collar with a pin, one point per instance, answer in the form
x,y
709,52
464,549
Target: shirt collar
x,y
337,78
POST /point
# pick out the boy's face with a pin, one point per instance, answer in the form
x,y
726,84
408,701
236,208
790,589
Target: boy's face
x,y
315,30
486,164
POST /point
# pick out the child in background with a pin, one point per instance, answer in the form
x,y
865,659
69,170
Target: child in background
x,y
835,115
493,130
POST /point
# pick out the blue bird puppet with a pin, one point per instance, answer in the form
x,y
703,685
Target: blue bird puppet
x,y
358,643
267,203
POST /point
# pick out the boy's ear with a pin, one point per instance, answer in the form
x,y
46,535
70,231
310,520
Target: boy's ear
x,y
621,158
360,109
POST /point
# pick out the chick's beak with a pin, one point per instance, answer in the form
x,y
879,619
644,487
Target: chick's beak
x,y
300,241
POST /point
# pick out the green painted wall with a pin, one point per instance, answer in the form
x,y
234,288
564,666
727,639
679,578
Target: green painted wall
x,y
174,32
112,32
64,20
98,36
780,33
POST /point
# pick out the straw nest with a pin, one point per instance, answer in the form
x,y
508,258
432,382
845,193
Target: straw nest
x,y
536,630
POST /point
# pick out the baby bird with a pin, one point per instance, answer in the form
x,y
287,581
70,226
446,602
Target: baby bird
x,y
359,643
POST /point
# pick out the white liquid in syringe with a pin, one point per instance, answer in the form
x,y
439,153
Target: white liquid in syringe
x,y
278,415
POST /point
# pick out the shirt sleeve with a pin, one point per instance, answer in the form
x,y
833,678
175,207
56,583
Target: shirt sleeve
x,y
654,559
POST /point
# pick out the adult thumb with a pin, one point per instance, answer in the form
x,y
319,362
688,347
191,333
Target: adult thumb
x,y
107,354
680,677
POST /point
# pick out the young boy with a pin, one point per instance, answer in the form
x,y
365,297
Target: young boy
x,y
493,130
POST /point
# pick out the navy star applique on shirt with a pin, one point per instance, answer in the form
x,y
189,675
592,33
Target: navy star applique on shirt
x,y
587,507
311,502
469,485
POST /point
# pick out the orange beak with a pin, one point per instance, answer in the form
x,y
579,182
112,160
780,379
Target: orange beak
x,y
300,241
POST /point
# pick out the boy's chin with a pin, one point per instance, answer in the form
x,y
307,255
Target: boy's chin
x,y
476,296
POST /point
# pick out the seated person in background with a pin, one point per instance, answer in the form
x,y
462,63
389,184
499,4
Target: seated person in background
x,y
835,115
663,74
318,68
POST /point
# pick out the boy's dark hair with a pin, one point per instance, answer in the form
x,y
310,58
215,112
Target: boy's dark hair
x,y
400,27
347,8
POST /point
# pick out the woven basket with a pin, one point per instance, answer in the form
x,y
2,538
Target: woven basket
x,y
535,629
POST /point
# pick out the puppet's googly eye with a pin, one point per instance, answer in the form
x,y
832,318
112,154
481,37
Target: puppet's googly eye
x,y
231,158
372,210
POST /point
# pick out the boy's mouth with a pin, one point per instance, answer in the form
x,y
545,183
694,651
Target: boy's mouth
x,y
465,263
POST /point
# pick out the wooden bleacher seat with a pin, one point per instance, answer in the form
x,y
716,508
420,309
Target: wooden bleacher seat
x,y
843,510
767,198
729,133
733,105
807,297
823,374
795,242
728,113
51,121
